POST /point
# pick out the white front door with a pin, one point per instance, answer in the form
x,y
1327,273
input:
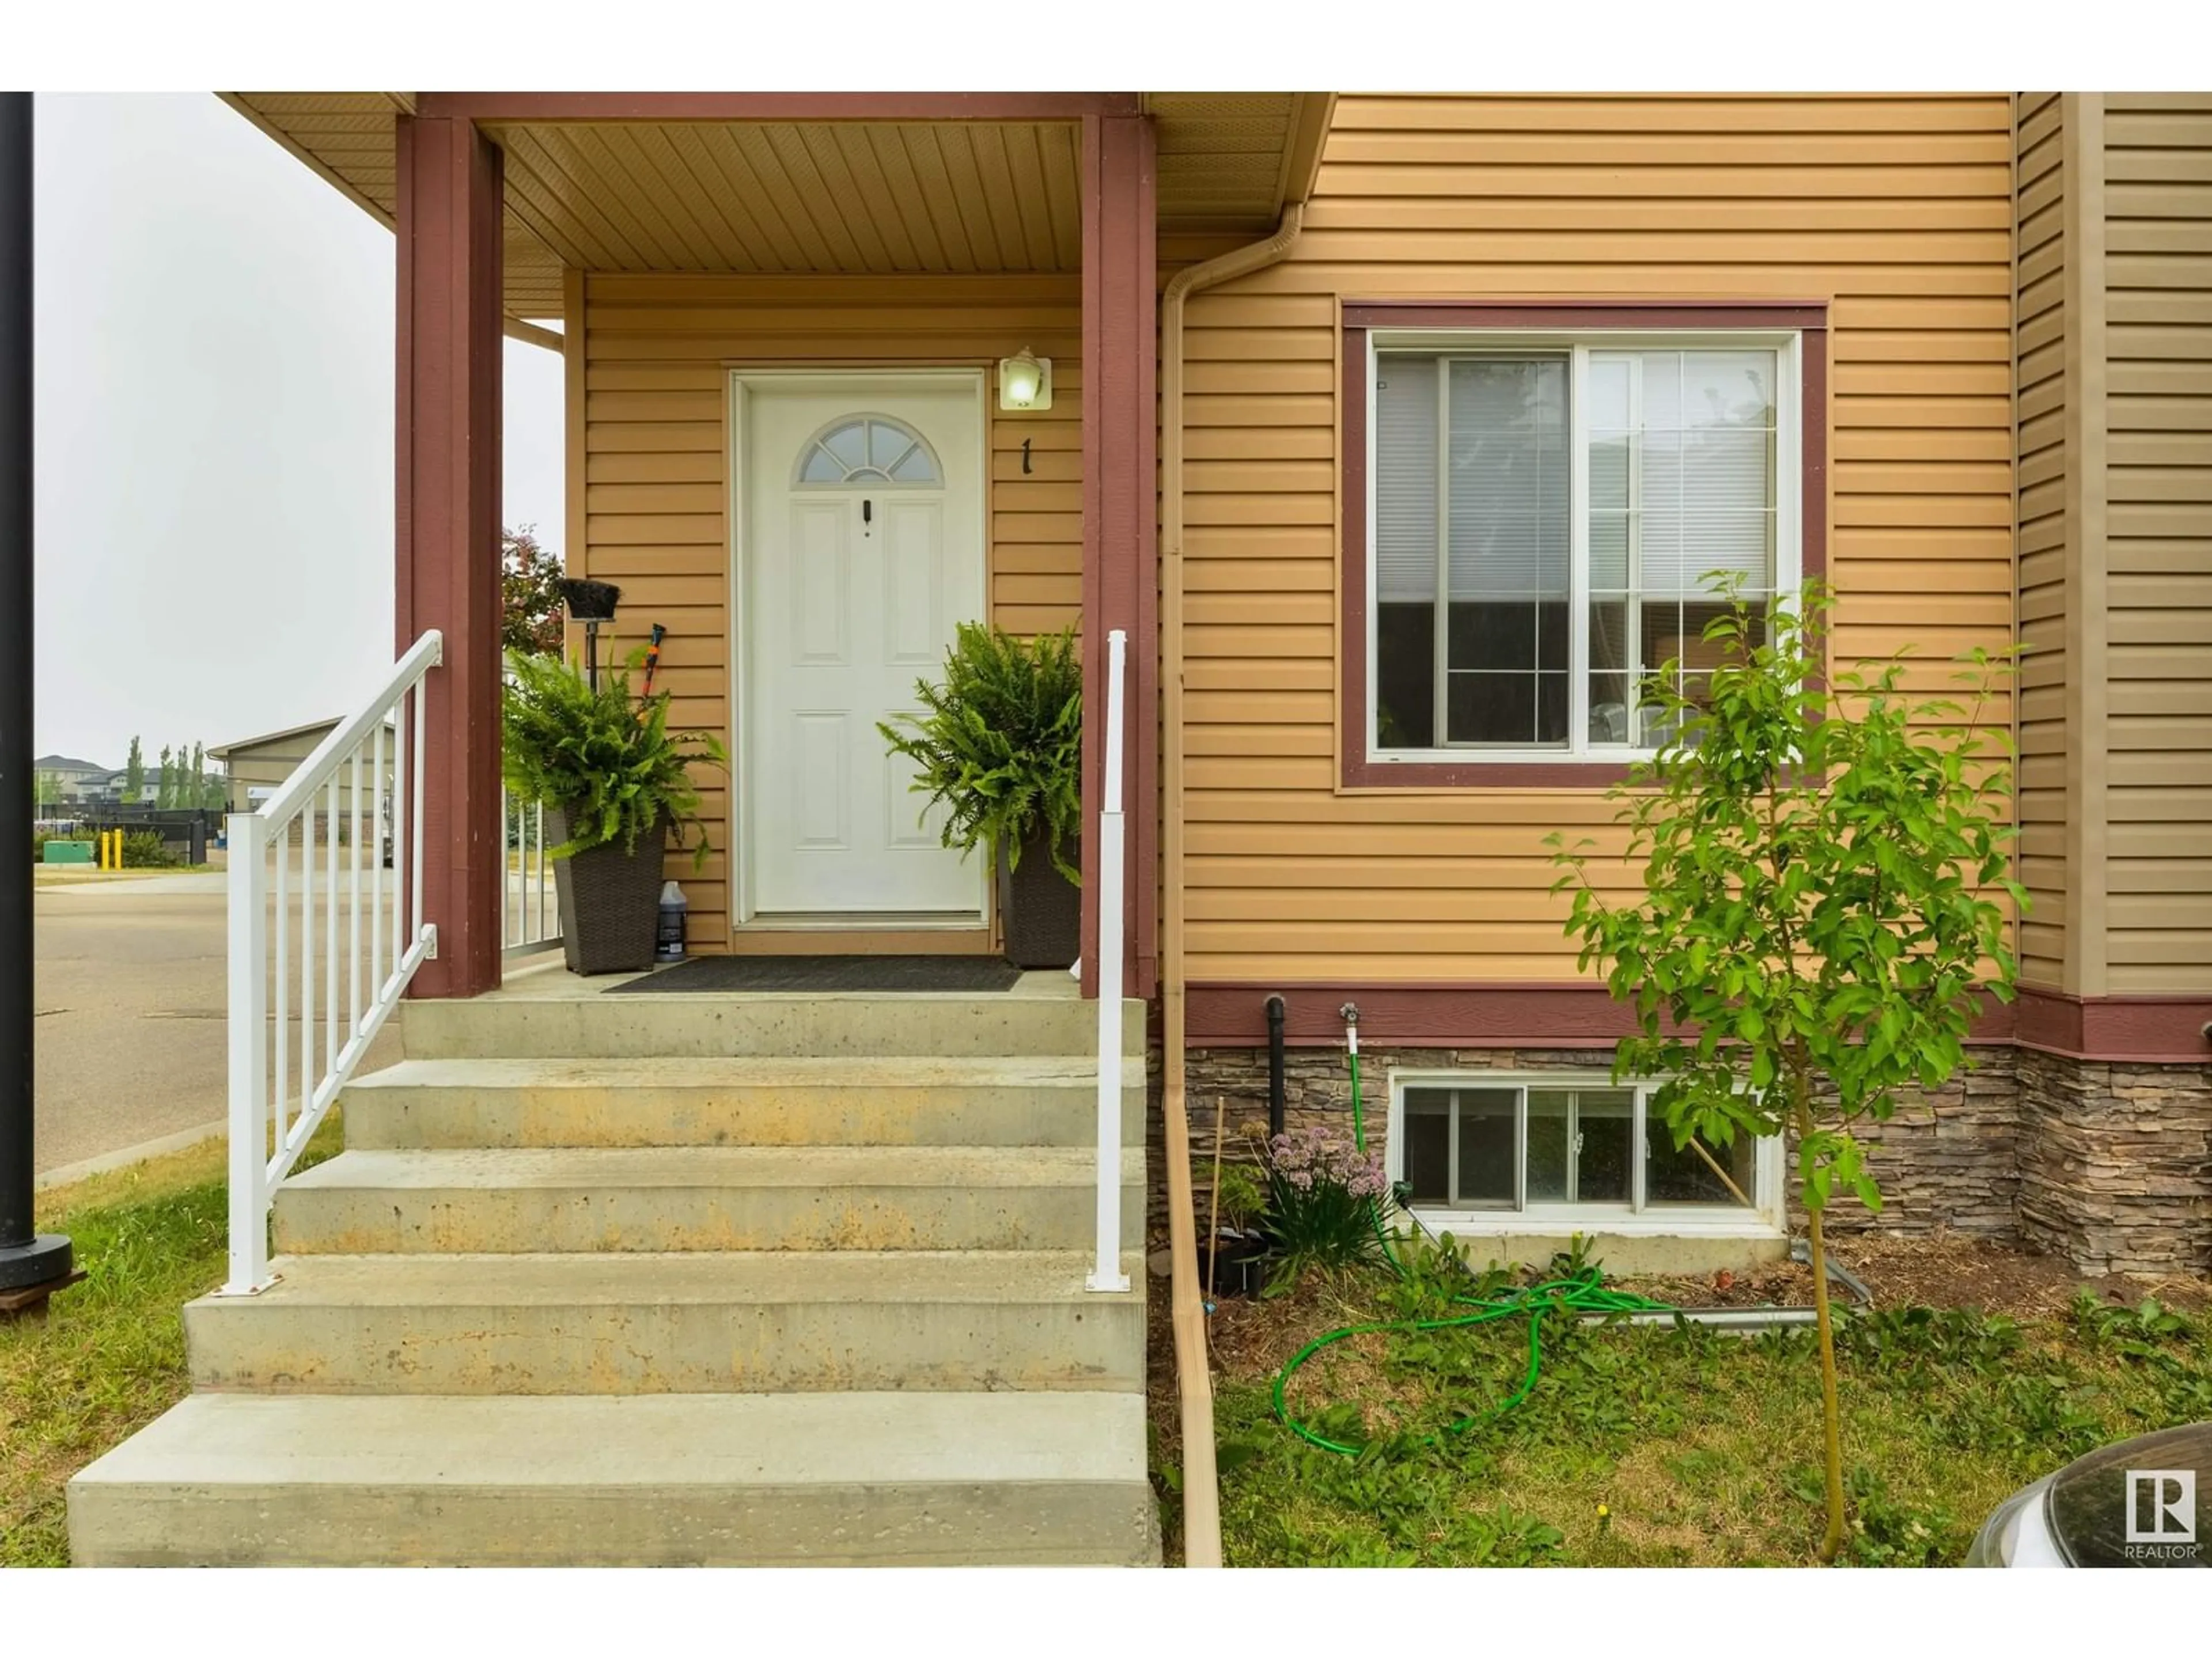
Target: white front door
x,y
861,546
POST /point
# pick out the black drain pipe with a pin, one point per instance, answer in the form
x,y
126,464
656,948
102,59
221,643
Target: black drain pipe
x,y
1276,1010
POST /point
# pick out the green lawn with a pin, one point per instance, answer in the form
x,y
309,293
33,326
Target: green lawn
x,y
110,1356
1662,1447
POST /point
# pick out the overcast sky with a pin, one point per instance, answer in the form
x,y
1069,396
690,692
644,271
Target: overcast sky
x,y
215,426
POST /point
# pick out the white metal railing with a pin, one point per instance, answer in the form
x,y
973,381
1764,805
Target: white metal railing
x,y
367,949
529,910
1106,1273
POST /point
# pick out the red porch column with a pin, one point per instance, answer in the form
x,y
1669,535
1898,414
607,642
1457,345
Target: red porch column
x,y
1121,517
448,578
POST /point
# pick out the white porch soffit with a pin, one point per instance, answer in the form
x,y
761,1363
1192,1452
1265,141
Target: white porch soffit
x,y
798,197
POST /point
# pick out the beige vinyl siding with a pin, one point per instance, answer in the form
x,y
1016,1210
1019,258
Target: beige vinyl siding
x,y
2040,348
1897,210
655,361
2157,236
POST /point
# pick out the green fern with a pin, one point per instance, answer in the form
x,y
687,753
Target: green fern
x,y
611,765
1000,744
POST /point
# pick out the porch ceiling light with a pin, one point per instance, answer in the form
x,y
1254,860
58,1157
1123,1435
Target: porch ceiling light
x,y
1024,381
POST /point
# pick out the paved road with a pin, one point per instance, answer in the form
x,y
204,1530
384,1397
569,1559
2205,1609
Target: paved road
x,y
130,992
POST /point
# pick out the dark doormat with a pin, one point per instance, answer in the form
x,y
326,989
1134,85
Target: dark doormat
x,y
857,973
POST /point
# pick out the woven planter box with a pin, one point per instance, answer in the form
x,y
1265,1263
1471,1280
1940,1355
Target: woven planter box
x,y
609,900
1042,910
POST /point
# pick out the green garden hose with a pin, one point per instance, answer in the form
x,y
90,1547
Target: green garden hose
x,y
1582,1291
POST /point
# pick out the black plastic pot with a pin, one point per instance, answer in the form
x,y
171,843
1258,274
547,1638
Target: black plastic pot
x,y
609,900
1240,1262
1043,908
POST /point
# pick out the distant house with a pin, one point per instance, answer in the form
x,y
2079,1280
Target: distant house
x,y
258,767
71,780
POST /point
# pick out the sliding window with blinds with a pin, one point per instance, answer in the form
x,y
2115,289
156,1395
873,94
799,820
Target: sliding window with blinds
x,y
1549,521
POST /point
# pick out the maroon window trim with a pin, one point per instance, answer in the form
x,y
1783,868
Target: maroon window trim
x,y
2143,1030
1437,1014
1808,319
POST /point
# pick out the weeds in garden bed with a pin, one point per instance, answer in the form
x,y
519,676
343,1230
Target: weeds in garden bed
x,y
1672,1446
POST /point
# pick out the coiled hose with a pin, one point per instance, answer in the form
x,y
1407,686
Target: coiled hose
x,y
1582,1291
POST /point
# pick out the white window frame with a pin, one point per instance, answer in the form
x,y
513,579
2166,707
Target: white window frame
x,y
1765,1219
1576,346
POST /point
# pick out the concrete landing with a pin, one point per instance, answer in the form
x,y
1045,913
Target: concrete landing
x,y
830,1025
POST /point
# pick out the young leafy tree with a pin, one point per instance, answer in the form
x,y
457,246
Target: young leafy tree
x,y
134,775
531,626
1817,924
195,795
165,790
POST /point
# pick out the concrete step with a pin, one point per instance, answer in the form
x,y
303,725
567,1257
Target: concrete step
x,y
704,1198
715,1480
665,1024
856,1100
724,1321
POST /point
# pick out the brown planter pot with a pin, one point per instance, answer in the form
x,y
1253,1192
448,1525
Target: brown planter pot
x,y
609,900
1042,910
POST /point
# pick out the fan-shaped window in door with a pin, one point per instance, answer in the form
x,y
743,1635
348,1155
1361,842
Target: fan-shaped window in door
x,y
869,449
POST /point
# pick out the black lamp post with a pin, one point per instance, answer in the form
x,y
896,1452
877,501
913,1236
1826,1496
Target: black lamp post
x,y
30,1262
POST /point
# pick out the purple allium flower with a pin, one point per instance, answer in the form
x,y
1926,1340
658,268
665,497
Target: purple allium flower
x,y
1318,1156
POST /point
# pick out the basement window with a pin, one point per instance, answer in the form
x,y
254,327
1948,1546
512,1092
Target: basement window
x,y
1488,1150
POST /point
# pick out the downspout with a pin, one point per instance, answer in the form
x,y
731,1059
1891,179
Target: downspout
x,y
1201,1493
1276,1012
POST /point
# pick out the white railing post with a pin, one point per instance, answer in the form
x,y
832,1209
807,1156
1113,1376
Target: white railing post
x,y
420,700
248,1017
1106,1273
260,1092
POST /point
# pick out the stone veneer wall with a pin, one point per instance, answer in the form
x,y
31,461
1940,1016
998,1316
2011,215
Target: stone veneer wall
x,y
1955,1170
2115,1163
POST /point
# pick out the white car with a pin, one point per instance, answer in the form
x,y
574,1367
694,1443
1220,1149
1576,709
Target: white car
x,y
2141,1503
